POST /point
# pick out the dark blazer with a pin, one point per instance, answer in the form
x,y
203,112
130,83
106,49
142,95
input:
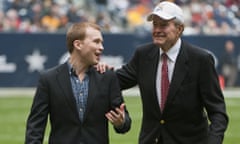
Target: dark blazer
x,y
194,97
54,97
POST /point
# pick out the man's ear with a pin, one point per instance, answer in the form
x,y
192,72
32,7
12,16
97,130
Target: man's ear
x,y
180,29
77,44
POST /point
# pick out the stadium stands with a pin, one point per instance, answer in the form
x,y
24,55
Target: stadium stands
x,y
205,17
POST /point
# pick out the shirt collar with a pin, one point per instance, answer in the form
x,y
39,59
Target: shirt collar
x,y
72,70
172,53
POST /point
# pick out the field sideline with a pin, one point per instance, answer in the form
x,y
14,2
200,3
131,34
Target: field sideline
x,y
5,92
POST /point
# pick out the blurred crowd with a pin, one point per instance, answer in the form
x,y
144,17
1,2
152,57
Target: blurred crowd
x,y
206,17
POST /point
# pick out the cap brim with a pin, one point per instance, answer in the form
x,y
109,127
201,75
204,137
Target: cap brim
x,y
162,16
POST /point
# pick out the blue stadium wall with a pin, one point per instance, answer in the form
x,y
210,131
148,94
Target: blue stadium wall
x,y
24,56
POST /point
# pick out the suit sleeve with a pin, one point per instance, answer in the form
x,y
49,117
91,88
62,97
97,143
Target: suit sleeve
x,y
116,101
37,119
213,101
127,75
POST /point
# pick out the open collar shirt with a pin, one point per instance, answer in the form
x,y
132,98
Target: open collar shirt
x,y
80,90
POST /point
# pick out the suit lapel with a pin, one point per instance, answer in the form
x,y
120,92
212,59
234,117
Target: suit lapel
x,y
180,71
92,90
152,62
63,80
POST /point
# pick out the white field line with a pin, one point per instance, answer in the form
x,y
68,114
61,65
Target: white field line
x,y
29,92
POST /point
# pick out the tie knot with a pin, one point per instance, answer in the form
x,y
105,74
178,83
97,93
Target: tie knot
x,y
164,56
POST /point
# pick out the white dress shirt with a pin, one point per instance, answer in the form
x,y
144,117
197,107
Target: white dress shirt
x,y
172,54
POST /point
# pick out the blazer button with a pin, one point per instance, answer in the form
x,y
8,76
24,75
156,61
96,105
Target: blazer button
x,y
156,140
162,122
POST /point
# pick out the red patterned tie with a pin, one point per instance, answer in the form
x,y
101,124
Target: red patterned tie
x,y
164,81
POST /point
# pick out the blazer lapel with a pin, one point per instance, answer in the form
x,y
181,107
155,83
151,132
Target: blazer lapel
x,y
92,90
64,82
152,64
181,69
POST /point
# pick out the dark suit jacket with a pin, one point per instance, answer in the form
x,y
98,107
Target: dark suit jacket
x,y
54,97
194,88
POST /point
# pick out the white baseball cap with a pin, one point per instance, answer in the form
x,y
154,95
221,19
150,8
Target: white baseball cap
x,y
167,11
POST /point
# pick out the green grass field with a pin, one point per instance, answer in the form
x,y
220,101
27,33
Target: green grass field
x,y
14,111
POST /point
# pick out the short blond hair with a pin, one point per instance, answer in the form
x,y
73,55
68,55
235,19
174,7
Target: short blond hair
x,y
78,32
